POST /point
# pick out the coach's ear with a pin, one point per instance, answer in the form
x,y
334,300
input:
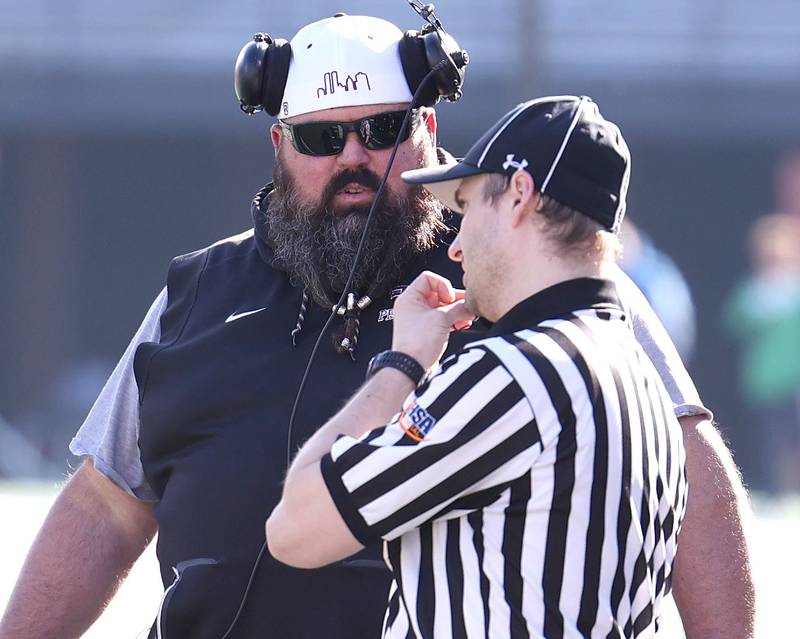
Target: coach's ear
x,y
431,125
444,156
276,134
522,192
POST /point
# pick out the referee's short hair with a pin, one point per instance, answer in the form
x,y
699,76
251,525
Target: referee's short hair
x,y
570,231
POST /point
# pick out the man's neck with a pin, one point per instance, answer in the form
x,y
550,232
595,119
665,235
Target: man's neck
x,y
545,271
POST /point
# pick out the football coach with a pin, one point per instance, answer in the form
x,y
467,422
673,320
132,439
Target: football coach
x,y
533,484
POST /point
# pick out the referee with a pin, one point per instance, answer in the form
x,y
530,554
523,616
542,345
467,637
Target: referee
x,y
534,484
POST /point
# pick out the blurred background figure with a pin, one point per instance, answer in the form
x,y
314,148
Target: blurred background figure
x,y
787,184
763,313
48,425
663,284
35,444
19,458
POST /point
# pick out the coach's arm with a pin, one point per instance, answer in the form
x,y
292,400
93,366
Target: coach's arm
x,y
712,579
90,539
306,530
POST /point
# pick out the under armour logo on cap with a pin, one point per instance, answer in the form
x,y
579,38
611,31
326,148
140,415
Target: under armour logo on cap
x,y
517,165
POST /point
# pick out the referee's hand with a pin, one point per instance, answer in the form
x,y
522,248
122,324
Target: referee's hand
x,y
425,315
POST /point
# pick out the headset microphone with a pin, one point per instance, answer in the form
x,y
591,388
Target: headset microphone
x,y
442,52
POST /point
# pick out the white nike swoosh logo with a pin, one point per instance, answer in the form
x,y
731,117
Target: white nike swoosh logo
x,y
235,316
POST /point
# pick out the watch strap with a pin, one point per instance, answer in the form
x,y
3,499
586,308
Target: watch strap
x,y
397,360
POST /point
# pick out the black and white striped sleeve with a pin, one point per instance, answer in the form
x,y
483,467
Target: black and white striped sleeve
x,y
457,442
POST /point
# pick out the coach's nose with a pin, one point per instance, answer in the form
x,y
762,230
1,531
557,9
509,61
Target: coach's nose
x,y
354,152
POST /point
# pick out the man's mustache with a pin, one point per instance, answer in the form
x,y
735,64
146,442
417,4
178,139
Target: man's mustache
x,y
363,177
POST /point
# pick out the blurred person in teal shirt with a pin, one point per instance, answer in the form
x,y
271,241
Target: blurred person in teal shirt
x,y
763,314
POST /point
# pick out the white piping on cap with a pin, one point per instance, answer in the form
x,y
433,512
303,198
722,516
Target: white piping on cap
x,y
521,108
626,177
564,143
514,114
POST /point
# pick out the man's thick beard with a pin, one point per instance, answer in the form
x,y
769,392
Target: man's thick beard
x,y
316,245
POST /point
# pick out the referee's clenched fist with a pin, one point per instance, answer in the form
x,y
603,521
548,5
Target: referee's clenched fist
x,y
425,315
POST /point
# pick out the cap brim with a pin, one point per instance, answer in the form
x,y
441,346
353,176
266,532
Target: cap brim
x,y
442,180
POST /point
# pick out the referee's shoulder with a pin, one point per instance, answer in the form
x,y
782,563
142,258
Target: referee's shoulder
x,y
540,346
476,359
471,361
497,346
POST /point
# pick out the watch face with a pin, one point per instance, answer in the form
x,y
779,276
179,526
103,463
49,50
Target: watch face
x,y
372,367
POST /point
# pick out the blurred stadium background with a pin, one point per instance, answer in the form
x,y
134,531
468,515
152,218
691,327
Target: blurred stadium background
x,y
122,145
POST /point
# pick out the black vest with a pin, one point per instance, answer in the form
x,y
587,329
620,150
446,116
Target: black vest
x,y
215,400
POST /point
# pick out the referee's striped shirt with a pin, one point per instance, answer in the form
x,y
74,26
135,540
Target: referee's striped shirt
x,y
534,487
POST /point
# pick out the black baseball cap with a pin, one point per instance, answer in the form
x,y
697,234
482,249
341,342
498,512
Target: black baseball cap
x,y
575,156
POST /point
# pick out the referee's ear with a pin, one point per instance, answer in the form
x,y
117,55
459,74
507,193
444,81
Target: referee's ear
x,y
522,192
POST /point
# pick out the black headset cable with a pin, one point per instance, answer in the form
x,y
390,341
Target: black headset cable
x,y
356,260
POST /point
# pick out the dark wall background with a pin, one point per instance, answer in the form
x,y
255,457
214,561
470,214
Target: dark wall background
x,y
116,155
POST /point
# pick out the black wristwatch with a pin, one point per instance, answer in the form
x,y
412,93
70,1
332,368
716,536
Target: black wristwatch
x,y
402,362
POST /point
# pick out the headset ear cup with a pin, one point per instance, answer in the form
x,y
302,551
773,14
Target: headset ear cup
x,y
248,73
275,73
416,66
450,77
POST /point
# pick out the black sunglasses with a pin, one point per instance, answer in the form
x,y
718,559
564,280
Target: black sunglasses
x,y
379,131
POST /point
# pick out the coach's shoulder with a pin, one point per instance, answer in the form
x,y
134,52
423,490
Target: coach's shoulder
x,y
220,250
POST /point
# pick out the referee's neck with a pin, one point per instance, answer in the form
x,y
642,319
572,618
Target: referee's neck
x,y
544,266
